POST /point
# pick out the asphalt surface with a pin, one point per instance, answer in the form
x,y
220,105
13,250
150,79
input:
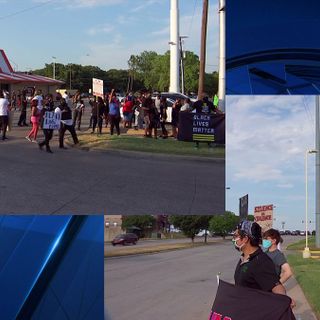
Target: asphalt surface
x,y
81,182
178,285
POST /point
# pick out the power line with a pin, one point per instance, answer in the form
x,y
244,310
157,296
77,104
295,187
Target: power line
x,y
26,9
308,112
194,10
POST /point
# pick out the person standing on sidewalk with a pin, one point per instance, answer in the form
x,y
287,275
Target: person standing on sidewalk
x,y
66,123
23,114
4,115
271,239
114,112
77,115
255,269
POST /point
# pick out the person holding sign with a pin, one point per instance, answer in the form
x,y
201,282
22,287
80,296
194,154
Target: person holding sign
x,y
46,111
255,269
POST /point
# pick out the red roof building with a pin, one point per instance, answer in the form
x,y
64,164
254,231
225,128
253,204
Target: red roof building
x,y
15,81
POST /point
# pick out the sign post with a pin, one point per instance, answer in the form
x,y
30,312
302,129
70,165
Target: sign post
x,y
243,207
97,87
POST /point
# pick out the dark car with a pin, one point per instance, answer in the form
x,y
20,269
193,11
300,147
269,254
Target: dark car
x,y
125,239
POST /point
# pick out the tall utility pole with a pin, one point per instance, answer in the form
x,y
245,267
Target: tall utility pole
x,y
222,55
317,171
203,48
181,61
174,47
54,67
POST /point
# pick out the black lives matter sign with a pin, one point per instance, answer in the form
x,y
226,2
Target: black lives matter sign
x,y
202,127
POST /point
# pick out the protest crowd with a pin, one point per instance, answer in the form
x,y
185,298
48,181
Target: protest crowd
x,y
143,111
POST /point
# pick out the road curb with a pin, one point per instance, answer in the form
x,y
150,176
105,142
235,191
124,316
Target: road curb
x,y
148,155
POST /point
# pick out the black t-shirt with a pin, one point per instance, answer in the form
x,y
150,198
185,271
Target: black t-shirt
x,y
147,105
202,106
257,273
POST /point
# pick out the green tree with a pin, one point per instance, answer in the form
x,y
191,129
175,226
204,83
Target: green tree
x,y
190,225
223,224
143,222
250,217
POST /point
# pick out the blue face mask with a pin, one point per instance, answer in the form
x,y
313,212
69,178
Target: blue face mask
x,y
266,244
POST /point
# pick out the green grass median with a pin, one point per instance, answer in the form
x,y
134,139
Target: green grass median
x,y
307,273
160,146
300,245
133,250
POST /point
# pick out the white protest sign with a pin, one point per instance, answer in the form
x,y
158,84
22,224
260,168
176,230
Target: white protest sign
x,y
51,120
97,87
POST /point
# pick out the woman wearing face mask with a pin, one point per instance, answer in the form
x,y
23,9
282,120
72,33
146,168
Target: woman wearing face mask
x,y
254,269
271,239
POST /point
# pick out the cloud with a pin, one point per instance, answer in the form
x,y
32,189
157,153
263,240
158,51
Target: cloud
x,y
85,3
264,145
104,28
285,185
146,4
258,173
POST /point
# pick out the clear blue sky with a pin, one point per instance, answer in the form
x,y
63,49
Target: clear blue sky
x,y
98,32
267,137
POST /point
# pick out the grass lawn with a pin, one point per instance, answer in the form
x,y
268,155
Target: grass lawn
x,y
132,250
138,143
300,245
307,273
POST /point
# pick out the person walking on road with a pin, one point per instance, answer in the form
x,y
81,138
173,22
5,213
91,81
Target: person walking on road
x,y
66,123
48,133
271,239
35,118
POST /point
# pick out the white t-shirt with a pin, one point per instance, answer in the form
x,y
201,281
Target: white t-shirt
x,y
40,101
68,122
4,107
65,97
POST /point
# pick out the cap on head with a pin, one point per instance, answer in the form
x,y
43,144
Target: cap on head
x,y
250,229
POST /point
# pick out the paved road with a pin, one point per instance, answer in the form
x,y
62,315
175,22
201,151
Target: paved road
x,y
79,182
178,285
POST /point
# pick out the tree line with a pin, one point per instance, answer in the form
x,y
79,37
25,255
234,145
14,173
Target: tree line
x,y
189,225
148,70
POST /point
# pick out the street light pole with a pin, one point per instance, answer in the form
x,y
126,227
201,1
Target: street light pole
x,y
306,252
181,62
54,67
317,195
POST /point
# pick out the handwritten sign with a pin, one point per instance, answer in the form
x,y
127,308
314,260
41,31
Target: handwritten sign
x,y
51,120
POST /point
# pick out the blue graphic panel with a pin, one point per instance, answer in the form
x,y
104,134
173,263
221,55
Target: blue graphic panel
x,y
51,267
273,47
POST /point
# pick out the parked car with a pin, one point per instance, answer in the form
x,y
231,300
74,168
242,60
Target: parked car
x,y
287,232
125,239
203,232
